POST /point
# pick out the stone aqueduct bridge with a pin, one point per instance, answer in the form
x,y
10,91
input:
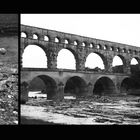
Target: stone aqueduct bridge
x,y
79,81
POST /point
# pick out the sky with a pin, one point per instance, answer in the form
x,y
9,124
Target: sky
x,y
120,28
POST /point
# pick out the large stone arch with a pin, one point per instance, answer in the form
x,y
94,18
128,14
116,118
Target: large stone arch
x,y
50,86
28,43
37,84
129,85
71,51
134,68
101,55
103,86
38,46
122,58
121,68
75,85
137,58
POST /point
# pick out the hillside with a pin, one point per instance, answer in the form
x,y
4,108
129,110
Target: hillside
x,y
8,18
9,69
11,45
8,24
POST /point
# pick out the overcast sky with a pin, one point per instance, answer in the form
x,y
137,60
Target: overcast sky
x,y
121,28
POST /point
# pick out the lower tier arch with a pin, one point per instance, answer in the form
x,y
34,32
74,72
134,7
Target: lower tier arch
x,y
75,85
104,86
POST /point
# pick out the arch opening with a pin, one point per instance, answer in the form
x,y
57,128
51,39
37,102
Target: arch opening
x,y
57,40
124,50
104,86
66,60
130,51
105,47
42,86
23,34
130,86
118,64
35,36
66,41
91,45
34,57
46,38
98,46
134,65
135,52
75,43
75,86
95,62
111,48
83,44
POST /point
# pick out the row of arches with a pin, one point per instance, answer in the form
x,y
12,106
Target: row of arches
x,y
90,45
78,87
34,56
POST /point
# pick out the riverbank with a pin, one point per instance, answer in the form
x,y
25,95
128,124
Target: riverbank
x,y
9,81
95,110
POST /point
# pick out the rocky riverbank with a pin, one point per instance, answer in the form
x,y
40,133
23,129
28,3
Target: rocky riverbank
x,y
8,94
92,110
9,80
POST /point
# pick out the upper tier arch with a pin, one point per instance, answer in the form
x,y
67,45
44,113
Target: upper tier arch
x,y
81,45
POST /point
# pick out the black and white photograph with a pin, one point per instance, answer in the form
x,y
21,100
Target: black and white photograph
x,y
76,69
9,69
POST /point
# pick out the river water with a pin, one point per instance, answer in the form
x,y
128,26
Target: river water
x,y
39,94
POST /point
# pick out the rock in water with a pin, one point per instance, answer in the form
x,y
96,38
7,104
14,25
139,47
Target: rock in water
x,y
2,51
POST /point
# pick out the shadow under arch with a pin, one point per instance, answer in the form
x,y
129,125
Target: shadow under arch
x,y
129,86
75,86
50,87
104,86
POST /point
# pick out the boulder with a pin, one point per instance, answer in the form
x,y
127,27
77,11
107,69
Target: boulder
x,y
3,51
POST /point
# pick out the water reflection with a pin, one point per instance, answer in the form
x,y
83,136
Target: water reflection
x,y
37,94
